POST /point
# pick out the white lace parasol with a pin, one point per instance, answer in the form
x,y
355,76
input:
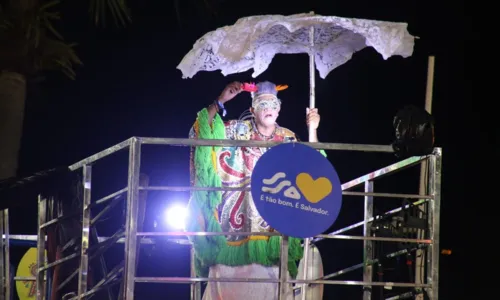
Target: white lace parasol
x,y
253,41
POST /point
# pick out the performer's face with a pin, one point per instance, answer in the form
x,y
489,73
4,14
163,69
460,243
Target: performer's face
x,y
266,114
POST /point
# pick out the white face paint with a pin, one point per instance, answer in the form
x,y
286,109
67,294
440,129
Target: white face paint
x,y
266,109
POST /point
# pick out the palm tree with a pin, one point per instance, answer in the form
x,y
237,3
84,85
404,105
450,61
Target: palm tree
x,y
30,44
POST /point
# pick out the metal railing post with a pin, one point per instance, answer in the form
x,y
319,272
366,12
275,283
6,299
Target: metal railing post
x,y
3,278
40,247
367,245
307,248
6,230
84,259
195,286
433,223
131,218
283,285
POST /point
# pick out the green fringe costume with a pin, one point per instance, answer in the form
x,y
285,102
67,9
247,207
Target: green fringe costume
x,y
212,250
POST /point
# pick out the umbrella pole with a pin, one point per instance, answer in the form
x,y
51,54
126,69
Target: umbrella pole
x,y
312,133
312,79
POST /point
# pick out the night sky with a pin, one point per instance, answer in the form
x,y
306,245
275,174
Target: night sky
x,y
129,86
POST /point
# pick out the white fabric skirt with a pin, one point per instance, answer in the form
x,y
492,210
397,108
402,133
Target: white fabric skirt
x,y
244,290
262,291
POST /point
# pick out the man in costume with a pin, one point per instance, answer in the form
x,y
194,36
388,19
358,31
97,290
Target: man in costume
x,y
236,256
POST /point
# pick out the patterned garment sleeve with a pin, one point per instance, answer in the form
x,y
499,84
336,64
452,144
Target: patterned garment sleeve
x,y
231,127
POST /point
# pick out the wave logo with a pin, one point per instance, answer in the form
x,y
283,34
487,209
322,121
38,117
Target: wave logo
x,y
313,190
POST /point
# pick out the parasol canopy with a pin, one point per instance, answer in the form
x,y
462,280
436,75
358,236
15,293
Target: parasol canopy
x,y
252,42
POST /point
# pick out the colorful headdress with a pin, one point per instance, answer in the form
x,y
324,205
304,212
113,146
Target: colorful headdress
x,y
263,92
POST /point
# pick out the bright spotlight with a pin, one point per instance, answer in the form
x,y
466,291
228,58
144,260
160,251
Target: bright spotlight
x,y
176,216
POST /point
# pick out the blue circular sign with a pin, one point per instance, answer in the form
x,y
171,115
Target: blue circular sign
x,y
296,190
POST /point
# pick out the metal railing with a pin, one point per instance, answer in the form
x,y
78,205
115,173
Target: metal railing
x,y
5,282
131,233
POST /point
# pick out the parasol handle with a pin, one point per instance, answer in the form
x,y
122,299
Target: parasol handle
x,y
312,133
312,81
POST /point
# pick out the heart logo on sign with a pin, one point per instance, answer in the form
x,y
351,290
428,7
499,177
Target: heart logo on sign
x,y
313,190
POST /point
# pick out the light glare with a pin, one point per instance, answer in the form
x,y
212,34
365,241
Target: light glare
x,y
176,217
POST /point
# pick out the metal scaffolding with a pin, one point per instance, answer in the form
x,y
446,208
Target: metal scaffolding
x,y
92,246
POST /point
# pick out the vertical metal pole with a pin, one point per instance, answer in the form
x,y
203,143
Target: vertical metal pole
x,y
7,254
423,213
312,104
195,286
191,261
312,77
307,247
84,259
40,246
3,278
283,285
48,272
433,223
367,245
131,218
